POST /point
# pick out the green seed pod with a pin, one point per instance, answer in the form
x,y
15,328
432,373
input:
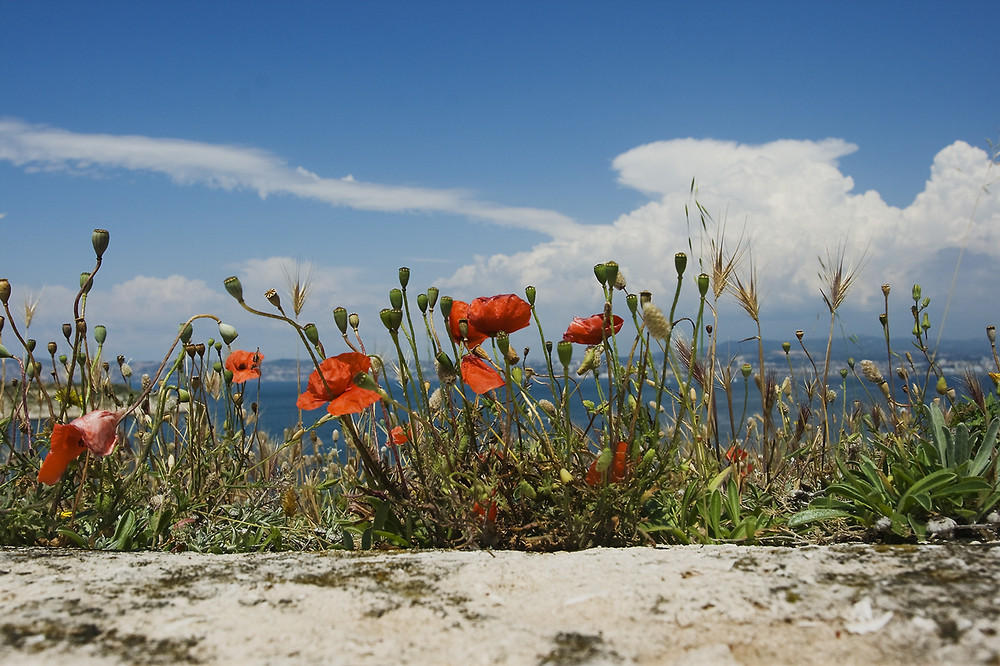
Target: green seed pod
x,y
186,331
396,299
680,263
745,370
600,272
30,345
565,350
529,293
100,239
311,333
611,272
446,302
340,319
503,342
100,334
183,396
234,287
703,283
632,300
432,297
404,277
4,290
786,346
85,282
422,303
4,353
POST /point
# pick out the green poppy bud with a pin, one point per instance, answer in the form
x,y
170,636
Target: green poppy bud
x,y
529,293
916,292
340,319
422,303
100,239
227,333
217,366
746,369
632,301
404,277
432,297
396,299
100,334
183,395
446,302
63,359
942,386
680,263
234,287
444,361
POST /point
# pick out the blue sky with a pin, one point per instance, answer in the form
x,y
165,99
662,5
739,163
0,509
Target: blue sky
x,y
489,146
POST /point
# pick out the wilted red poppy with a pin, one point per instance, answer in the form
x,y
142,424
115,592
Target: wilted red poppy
x,y
504,312
244,365
487,515
479,375
95,431
735,455
587,330
399,436
339,388
615,472
459,311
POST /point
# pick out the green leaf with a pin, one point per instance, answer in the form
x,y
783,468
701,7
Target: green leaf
x,y
812,515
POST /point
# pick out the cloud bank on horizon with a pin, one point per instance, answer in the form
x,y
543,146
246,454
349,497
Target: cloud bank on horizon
x,y
787,199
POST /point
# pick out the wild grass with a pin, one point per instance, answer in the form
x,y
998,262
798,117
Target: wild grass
x,y
459,438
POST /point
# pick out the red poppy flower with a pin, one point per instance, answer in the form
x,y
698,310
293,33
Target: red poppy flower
x,y
614,473
95,431
587,330
399,436
479,375
505,312
487,515
339,388
244,365
459,311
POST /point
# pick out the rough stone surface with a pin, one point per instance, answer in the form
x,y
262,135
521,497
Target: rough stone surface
x,y
928,604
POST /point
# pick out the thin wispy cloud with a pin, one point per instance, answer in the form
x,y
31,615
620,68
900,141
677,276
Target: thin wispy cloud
x,y
41,148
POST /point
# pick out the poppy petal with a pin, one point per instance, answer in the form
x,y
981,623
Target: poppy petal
x,y
479,376
65,444
99,429
352,401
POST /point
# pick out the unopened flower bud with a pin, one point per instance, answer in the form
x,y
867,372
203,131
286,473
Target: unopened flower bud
x,y
786,346
926,323
234,287
916,292
367,382
942,386
843,373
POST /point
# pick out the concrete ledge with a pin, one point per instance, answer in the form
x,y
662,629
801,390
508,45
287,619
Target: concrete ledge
x,y
929,604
